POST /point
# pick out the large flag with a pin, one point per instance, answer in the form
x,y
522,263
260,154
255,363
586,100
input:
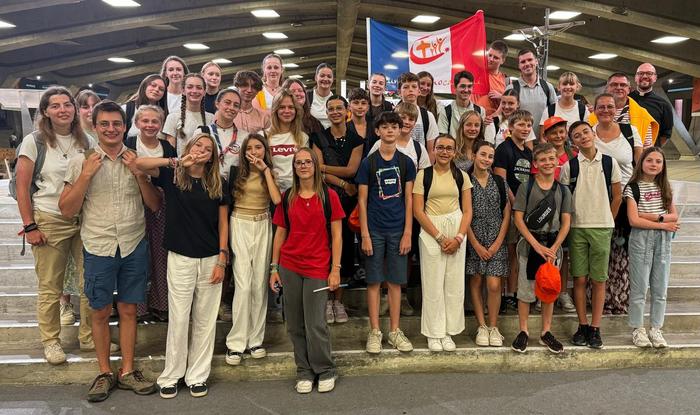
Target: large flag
x,y
443,53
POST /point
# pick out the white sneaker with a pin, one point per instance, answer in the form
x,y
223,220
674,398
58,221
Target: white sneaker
x,y
258,352
374,342
304,386
330,316
482,336
495,337
657,338
54,353
67,315
448,344
326,385
341,316
397,339
566,303
640,338
434,344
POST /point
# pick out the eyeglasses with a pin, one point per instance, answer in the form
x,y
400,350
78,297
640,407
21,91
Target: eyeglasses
x,y
302,163
643,73
446,149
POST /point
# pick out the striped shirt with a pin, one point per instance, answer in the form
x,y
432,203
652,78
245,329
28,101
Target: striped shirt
x,y
650,200
622,116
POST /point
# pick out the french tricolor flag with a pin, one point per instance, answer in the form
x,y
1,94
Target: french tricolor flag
x,y
393,51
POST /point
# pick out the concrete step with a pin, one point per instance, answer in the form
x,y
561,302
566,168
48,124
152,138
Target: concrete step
x,y
27,366
9,229
9,211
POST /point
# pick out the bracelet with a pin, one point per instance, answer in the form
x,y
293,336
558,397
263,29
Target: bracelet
x,y
31,227
440,237
343,183
274,268
221,264
173,162
224,251
337,266
460,238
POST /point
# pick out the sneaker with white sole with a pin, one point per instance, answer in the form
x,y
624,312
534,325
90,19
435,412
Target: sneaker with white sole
x,y
168,392
53,352
434,344
326,385
304,386
448,344
495,337
330,316
233,358
482,336
640,338
374,342
399,340
341,316
67,314
566,303
258,352
199,390
657,338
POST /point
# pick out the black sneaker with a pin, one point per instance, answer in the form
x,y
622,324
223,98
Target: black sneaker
x,y
511,303
581,336
520,342
594,339
553,345
198,390
168,392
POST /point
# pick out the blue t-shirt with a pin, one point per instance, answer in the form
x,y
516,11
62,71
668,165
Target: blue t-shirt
x,y
386,205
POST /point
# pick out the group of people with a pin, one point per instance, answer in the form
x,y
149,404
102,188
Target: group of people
x,y
188,189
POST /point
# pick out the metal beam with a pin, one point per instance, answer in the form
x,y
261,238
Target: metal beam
x,y
24,5
196,12
346,21
641,19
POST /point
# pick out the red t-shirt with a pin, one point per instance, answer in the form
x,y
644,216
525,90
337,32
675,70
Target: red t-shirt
x,y
307,250
562,161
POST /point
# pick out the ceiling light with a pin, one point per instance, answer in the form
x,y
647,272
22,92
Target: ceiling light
x,y
196,46
290,65
426,19
89,85
221,61
265,13
121,3
603,56
517,37
553,68
275,35
120,60
563,15
400,54
295,76
669,40
390,67
670,80
38,77
6,25
284,51
163,27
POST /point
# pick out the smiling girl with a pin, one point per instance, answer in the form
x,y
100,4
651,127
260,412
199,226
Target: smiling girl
x,y
566,107
321,93
211,72
272,77
173,71
285,136
151,92
181,125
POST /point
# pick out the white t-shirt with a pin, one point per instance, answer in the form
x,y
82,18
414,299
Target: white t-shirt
x,y
457,113
282,148
143,151
318,109
174,103
133,130
418,133
192,121
570,114
620,150
410,151
497,137
53,172
232,151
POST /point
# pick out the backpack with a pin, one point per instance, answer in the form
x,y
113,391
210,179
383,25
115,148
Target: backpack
x,y
626,130
130,111
428,181
551,109
426,122
634,187
448,114
326,211
607,172
38,165
543,85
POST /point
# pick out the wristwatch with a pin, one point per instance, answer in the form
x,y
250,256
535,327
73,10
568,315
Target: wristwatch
x,y
661,218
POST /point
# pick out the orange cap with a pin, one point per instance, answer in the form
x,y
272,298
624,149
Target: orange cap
x,y
553,121
547,283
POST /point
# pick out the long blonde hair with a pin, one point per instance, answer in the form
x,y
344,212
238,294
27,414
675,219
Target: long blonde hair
x,y
297,126
296,182
464,144
211,181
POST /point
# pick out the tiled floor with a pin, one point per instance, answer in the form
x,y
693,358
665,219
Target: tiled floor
x,y
684,170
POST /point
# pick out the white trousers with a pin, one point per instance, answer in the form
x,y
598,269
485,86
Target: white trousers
x,y
442,280
189,290
251,240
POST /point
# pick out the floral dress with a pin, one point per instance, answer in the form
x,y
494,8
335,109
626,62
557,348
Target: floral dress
x,y
486,224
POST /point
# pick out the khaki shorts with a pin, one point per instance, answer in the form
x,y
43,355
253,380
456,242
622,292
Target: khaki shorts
x,y
589,252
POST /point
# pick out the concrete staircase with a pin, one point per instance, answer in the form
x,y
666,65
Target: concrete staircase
x,y
22,362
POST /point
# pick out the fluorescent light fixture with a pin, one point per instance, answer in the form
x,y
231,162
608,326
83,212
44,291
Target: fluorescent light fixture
x,y
284,51
603,56
221,61
264,13
295,77
196,46
669,40
163,27
6,25
89,85
400,54
553,68
120,60
563,15
670,80
425,19
275,35
517,37
391,67
290,65
38,77
122,3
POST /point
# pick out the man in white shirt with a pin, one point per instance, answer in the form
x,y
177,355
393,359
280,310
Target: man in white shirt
x,y
448,121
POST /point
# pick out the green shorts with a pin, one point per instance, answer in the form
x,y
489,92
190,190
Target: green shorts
x,y
589,252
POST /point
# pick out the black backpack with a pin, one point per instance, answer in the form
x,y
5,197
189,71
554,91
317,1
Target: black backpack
x,y
551,109
38,165
403,166
428,181
634,187
607,172
326,211
448,114
426,122
543,85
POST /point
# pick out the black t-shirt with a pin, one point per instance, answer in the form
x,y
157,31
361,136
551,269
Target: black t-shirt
x,y
191,218
515,162
337,151
210,102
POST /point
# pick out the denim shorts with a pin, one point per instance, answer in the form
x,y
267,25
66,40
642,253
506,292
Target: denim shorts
x,y
129,275
385,250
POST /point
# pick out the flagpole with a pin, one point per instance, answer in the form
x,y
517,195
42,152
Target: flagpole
x,y
545,59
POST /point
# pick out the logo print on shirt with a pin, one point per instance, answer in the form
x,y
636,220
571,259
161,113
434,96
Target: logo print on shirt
x,y
389,182
283,150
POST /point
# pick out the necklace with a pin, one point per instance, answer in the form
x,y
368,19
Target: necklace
x,y
65,152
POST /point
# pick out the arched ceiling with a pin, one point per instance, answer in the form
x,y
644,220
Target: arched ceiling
x,y
69,41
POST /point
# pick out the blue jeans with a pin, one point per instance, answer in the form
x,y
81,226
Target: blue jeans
x,y
650,267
